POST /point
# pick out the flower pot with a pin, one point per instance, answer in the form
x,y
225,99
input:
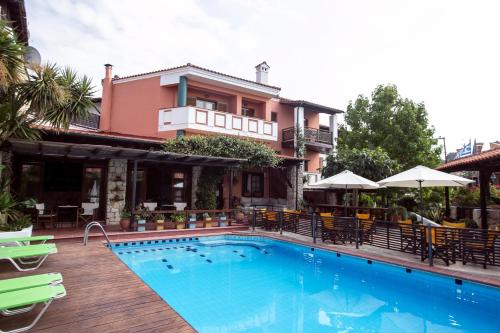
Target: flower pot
x,y
125,224
223,221
26,232
160,224
207,223
141,225
150,226
179,225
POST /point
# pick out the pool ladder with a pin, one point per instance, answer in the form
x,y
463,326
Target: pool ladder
x,y
87,230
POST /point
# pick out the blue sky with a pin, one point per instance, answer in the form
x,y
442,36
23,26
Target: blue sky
x,y
444,53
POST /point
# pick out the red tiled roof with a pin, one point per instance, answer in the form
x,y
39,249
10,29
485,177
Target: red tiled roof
x,y
311,105
197,67
485,157
113,135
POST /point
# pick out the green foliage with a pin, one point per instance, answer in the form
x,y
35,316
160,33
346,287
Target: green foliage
x,y
125,214
466,197
257,154
21,222
434,212
398,211
158,217
300,146
8,208
178,217
366,200
397,125
374,164
206,197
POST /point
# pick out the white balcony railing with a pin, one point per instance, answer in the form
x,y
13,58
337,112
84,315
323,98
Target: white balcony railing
x,y
189,117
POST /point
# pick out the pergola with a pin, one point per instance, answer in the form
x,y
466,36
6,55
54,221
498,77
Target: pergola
x,y
81,151
486,163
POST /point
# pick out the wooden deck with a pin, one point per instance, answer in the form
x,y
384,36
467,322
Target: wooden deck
x,y
103,296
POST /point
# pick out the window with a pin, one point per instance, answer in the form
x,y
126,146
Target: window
x,y
91,184
178,186
31,175
253,184
222,107
207,105
306,166
274,116
248,112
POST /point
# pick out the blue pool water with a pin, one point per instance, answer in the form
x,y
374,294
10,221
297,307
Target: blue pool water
x,y
254,284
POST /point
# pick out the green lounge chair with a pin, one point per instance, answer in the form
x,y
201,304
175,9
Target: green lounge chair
x,y
20,256
24,300
31,281
21,241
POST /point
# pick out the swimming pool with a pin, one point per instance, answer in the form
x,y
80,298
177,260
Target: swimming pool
x,y
256,284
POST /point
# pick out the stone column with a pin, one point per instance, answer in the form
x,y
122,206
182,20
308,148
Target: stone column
x,y
182,91
291,191
116,191
195,176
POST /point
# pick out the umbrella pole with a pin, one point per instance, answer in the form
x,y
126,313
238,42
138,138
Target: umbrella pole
x,y
345,201
420,203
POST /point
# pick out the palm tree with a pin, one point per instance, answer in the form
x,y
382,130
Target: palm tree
x,y
33,95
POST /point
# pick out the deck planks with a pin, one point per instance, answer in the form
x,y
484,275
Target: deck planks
x,y
103,296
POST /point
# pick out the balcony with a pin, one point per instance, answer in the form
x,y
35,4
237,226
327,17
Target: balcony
x,y
315,139
201,120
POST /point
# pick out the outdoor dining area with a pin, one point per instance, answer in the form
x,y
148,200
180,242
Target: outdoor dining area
x,y
448,241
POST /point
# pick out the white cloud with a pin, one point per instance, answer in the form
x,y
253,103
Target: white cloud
x,y
444,53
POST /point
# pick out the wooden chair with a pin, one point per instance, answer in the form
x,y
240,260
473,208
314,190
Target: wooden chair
x,y
291,219
479,243
87,213
45,216
270,220
442,244
367,229
408,236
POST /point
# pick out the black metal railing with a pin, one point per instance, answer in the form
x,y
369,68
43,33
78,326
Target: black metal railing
x,y
310,135
430,243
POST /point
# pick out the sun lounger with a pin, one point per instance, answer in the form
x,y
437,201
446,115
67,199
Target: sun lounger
x,y
24,300
31,281
29,257
21,241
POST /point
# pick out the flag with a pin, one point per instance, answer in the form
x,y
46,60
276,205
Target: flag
x,y
465,151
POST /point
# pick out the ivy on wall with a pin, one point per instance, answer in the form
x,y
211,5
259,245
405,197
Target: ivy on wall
x,y
258,155
206,197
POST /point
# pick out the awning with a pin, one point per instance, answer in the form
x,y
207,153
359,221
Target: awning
x,y
103,152
489,159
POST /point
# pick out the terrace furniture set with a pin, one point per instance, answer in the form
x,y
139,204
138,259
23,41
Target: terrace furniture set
x,y
21,295
63,215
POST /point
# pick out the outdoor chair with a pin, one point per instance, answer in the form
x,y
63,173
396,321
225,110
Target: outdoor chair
x,y
22,295
291,219
45,216
409,236
442,244
363,216
87,213
450,224
367,229
29,257
479,245
270,220
23,241
333,229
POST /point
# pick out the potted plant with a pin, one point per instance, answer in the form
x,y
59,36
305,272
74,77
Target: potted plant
x,y
141,216
160,221
207,220
179,220
222,220
125,219
397,213
20,227
192,221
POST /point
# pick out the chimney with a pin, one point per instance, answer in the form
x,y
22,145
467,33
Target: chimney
x,y
107,91
262,71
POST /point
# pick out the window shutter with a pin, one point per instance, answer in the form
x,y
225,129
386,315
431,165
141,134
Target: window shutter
x,y
222,107
191,101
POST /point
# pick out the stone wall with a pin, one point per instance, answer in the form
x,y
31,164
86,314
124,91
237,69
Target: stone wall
x,y
290,191
116,191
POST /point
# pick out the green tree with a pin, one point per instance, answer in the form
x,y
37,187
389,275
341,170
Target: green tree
x,y
33,95
374,164
397,125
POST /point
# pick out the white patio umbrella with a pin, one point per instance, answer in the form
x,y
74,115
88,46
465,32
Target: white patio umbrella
x,y
422,176
346,179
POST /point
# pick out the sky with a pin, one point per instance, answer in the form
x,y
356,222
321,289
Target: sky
x,y
445,54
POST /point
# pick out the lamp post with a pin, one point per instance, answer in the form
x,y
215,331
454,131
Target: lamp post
x,y
446,189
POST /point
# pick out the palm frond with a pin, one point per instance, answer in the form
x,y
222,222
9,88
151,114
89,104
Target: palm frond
x,y
11,57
